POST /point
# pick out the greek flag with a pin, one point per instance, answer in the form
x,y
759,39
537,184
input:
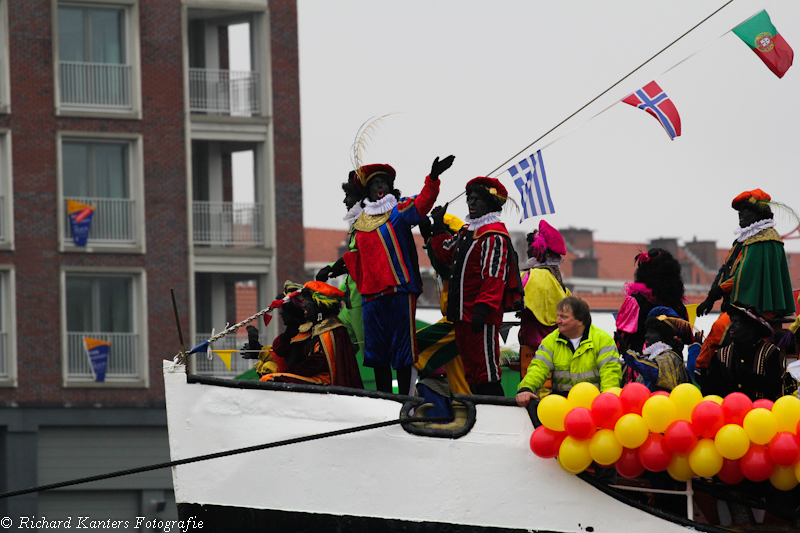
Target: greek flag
x,y
531,181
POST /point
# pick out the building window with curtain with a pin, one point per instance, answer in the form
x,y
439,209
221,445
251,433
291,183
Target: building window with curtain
x,y
102,308
95,71
103,177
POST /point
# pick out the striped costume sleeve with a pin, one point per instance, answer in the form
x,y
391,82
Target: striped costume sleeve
x,y
444,247
494,269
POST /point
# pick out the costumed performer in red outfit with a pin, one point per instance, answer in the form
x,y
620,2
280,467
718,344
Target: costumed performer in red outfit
x,y
484,281
385,268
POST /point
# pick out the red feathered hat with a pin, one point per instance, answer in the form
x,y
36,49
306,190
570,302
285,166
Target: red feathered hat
x,y
492,185
756,195
367,172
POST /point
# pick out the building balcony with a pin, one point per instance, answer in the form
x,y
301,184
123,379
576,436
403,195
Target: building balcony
x,y
124,356
224,92
113,221
94,86
228,224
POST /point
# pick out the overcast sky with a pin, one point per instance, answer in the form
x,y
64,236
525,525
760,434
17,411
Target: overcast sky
x,y
482,80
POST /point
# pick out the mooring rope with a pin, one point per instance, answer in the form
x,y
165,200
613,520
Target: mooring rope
x,y
41,488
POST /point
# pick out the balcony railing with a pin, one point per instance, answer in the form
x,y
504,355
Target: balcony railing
x,y
215,366
228,224
113,221
104,85
224,92
3,355
124,356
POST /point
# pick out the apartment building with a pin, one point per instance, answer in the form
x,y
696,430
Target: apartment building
x,y
177,123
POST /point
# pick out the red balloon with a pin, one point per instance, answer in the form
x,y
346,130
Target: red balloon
x,y
764,404
628,465
731,472
784,448
680,436
607,409
580,424
756,464
735,406
633,396
654,454
546,442
660,393
707,418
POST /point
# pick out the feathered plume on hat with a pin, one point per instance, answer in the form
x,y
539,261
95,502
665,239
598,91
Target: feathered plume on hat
x,y
365,134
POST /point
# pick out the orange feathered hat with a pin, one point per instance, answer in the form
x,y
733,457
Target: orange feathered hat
x,y
756,195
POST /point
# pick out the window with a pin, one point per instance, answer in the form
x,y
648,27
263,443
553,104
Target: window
x,y
105,306
104,173
97,57
8,368
5,92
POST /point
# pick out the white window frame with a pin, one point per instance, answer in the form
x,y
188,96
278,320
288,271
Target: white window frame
x,y
8,326
136,184
5,71
6,192
132,44
139,316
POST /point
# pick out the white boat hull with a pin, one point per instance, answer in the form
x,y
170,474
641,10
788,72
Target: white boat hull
x,y
379,479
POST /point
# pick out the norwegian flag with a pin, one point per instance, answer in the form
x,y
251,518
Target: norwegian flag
x,y
655,101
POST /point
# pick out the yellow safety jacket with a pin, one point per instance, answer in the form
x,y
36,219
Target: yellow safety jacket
x,y
595,361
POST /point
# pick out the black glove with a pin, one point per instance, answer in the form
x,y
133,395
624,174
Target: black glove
x,y
705,306
440,166
324,273
437,215
252,346
479,315
622,344
425,228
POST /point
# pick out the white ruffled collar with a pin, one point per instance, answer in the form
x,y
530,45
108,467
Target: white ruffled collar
x,y
488,218
655,349
742,234
550,261
353,214
384,205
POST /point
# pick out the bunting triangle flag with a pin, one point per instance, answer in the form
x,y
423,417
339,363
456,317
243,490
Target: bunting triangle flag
x,y
763,38
225,355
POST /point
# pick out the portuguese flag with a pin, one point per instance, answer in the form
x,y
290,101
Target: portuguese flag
x,y
760,35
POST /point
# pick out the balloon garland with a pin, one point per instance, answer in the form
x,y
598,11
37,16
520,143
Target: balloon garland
x,y
683,433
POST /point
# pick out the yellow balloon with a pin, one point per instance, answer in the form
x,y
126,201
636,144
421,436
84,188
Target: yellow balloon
x,y
631,430
679,468
787,411
604,447
564,468
582,395
732,441
552,410
760,425
783,477
685,397
658,413
574,455
713,398
704,459
614,390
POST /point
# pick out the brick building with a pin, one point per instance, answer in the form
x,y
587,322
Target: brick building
x,y
135,108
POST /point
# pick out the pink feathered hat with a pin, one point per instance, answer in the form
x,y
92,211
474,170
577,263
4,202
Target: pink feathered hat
x,y
550,238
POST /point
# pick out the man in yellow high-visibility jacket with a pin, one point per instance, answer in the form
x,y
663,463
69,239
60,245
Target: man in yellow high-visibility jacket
x,y
576,352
